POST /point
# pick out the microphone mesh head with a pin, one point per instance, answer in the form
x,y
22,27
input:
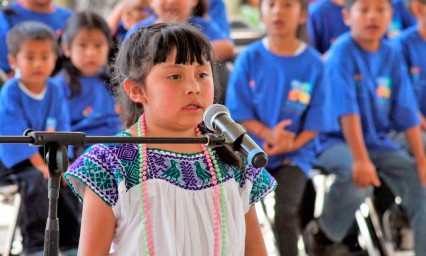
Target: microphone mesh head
x,y
211,112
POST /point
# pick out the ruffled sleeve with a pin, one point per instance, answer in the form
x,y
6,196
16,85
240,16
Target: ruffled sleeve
x,y
255,184
95,170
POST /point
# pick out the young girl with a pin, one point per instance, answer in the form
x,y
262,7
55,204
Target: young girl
x,y
161,199
192,12
86,42
276,91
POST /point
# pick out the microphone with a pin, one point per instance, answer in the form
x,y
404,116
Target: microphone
x,y
217,118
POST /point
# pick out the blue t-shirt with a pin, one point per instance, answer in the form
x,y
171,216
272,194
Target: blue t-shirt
x,y
325,24
210,29
373,85
55,19
413,47
271,88
93,110
19,112
401,20
4,28
217,13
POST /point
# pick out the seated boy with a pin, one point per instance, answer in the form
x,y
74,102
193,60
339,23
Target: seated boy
x,y
373,95
30,100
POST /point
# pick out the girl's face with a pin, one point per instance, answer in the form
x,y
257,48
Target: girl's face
x,y
173,10
369,20
175,95
88,51
282,17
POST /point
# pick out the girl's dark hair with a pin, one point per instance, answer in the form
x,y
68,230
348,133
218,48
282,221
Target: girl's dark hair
x,y
201,8
29,30
77,22
155,44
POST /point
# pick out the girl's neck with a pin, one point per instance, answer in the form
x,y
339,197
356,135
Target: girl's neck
x,y
285,46
174,20
161,132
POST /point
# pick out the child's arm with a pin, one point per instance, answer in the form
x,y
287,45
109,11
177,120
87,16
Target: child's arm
x,y
363,171
223,50
38,162
97,226
255,245
422,121
413,136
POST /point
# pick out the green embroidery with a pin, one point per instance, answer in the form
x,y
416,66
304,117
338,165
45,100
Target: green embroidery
x,y
202,174
173,172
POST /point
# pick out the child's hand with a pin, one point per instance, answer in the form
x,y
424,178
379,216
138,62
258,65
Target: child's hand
x,y
64,182
364,174
279,140
421,169
279,133
45,170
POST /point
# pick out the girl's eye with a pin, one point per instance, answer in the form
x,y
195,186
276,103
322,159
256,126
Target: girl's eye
x,y
204,75
174,77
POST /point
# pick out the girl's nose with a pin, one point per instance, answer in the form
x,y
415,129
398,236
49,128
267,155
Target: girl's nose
x,y
192,87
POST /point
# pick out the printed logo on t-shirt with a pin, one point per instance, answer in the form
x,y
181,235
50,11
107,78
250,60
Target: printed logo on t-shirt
x,y
300,92
87,111
357,79
252,83
384,89
394,29
51,124
415,73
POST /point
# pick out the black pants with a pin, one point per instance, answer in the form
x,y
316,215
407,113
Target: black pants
x,y
288,198
34,210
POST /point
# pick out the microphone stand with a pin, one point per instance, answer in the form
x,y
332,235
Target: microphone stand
x,y
55,145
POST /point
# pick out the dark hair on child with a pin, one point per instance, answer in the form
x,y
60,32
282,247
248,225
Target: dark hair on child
x,y
78,21
155,44
201,8
349,3
29,30
301,32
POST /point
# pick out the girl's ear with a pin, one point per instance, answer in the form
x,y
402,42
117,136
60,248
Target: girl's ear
x,y
12,61
346,17
65,50
303,17
135,91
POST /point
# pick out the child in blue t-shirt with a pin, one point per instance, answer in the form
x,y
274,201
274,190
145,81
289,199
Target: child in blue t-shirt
x,y
217,13
412,44
325,23
86,40
276,90
25,10
33,101
373,95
